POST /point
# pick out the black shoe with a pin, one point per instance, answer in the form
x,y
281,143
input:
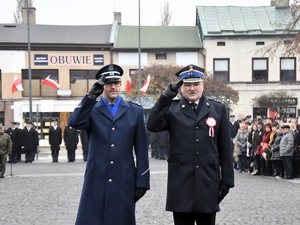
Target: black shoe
x,y
1,176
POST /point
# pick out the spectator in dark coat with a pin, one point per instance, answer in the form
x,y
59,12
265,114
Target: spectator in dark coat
x,y
71,141
84,143
30,141
15,136
55,139
154,144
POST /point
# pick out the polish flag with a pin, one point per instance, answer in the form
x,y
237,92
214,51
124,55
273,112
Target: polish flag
x,y
17,85
51,83
146,85
128,85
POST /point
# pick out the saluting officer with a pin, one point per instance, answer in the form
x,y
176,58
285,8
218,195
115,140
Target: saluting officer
x,y
113,182
200,169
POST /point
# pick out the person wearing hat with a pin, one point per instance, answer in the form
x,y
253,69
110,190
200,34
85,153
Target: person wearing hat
x,y
55,139
71,142
5,148
117,171
286,150
15,136
30,141
200,166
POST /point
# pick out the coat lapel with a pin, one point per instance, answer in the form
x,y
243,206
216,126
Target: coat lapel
x,y
204,109
187,109
123,107
104,110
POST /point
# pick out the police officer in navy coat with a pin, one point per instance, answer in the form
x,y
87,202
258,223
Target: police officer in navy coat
x,y
55,139
200,168
113,181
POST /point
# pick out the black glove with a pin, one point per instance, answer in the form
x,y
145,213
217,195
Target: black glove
x,y
139,193
223,192
96,90
172,89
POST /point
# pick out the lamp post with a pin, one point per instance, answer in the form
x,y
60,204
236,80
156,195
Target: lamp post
x,y
139,56
29,64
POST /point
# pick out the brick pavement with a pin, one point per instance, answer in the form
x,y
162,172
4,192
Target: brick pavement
x,y
45,193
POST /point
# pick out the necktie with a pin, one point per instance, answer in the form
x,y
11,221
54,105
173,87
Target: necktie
x,y
194,107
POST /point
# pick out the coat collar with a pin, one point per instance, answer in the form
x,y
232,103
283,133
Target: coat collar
x,y
101,107
187,110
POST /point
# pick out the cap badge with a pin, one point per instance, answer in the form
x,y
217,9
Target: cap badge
x,y
183,106
211,123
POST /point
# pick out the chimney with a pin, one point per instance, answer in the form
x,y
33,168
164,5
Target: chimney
x,y
280,3
118,17
31,11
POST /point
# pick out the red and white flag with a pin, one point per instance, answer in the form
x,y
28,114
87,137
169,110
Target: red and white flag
x,y
146,85
51,83
128,84
17,85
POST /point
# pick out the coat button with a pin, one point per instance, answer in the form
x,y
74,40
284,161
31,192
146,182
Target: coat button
x,y
109,180
113,129
197,167
197,128
197,140
111,162
112,145
197,153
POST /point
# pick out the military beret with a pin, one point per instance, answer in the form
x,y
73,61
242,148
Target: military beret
x,y
191,74
112,73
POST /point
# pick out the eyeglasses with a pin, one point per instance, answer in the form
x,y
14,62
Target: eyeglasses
x,y
117,84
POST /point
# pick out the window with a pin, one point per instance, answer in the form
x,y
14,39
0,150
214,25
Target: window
x,y
37,89
2,118
260,43
0,85
81,81
220,43
260,70
221,69
287,69
161,56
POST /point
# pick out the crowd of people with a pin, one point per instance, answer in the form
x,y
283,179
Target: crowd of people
x,y
26,141
266,147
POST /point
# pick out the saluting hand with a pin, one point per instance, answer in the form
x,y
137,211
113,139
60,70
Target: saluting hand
x,y
172,89
97,88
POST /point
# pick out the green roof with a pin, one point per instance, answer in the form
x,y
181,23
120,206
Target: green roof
x,y
235,20
158,37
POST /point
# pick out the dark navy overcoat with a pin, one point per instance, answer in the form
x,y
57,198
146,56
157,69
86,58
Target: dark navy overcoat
x,y
198,163
111,174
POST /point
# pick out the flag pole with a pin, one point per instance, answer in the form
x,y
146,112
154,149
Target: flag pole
x,y
29,65
139,71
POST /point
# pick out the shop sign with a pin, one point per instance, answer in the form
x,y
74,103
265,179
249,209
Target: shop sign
x,y
68,59
284,101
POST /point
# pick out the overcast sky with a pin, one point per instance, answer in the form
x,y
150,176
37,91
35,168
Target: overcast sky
x,y
97,12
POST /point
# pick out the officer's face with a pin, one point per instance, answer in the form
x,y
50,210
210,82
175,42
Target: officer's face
x,y
192,91
112,91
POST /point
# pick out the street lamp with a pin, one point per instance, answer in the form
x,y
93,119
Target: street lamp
x,y
29,65
139,53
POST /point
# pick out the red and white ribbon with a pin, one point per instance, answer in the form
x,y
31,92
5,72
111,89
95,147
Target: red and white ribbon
x,y
211,123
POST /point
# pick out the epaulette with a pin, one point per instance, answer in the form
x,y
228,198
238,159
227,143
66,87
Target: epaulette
x,y
214,100
136,103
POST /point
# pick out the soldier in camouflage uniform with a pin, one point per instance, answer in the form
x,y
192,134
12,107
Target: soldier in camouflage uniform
x,y
5,148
